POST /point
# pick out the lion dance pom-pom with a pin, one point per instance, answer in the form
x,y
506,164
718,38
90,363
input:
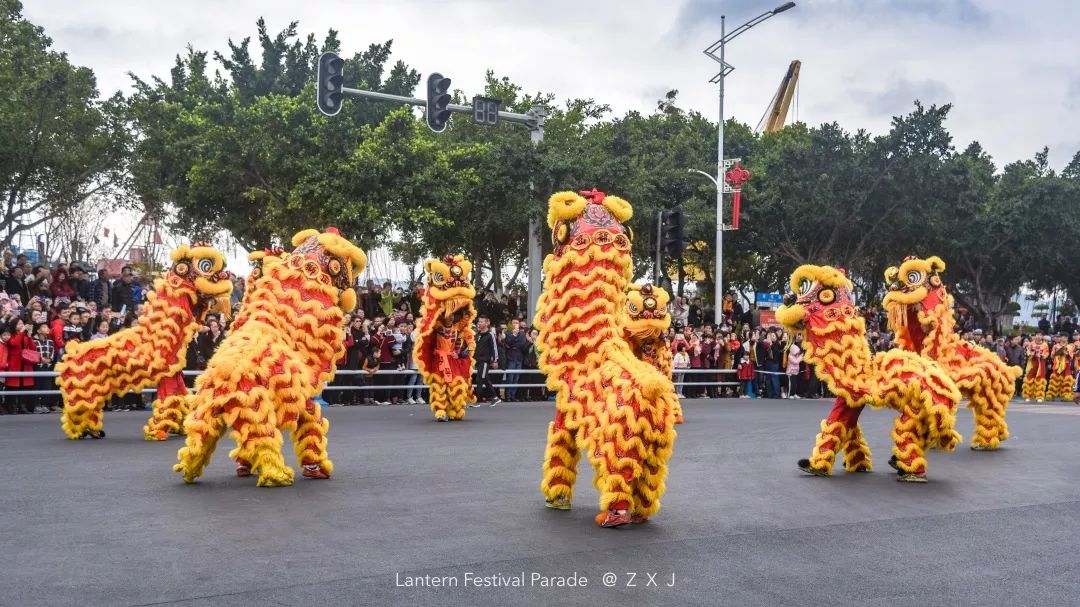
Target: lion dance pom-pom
x,y
282,348
834,333
646,323
921,316
152,352
446,340
613,407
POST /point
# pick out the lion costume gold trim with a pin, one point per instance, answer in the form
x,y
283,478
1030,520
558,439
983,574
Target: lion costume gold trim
x,y
834,335
284,346
446,341
616,409
151,352
920,313
646,322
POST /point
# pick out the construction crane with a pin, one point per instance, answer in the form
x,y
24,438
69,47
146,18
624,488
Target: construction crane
x,y
776,114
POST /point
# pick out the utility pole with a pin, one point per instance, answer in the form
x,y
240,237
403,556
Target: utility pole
x,y
721,164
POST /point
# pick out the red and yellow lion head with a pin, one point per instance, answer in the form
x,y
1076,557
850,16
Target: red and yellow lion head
x,y
331,260
646,310
820,299
201,268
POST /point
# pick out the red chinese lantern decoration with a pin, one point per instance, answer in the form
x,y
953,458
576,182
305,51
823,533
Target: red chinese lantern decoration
x,y
736,176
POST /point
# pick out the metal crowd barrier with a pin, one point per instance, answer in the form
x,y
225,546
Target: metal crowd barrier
x,y
384,372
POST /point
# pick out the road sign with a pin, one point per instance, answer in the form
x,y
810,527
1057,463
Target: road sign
x,y
485,111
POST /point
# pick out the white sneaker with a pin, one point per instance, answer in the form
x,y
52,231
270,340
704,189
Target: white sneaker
x,y
795,396
420,401
411,401
495,402
1027,400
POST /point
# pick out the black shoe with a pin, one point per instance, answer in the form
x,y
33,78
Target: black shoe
x,y
804,465
892,462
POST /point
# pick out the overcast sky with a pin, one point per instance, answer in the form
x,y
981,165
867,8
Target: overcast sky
x,y
1010,68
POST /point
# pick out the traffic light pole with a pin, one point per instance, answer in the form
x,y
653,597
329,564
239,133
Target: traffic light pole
x,y
534,119
529,119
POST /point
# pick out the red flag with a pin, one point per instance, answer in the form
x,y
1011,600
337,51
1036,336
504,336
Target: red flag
x,y
106,232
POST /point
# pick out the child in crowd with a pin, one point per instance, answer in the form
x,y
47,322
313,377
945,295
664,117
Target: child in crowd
x,y
746,377
681,360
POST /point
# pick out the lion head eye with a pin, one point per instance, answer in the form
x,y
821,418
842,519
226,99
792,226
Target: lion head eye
x,y
438,278
205,266
632,307
805,286
914,277
334,267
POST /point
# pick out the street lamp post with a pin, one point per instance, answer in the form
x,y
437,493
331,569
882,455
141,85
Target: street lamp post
x,y
726,69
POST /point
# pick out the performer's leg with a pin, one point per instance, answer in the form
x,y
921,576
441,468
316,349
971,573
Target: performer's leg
x,y
560,464
649,486
908,449
856,451
309,439
83,409
835,429
439,400
457,397
988,401
170,407
203,428
258,438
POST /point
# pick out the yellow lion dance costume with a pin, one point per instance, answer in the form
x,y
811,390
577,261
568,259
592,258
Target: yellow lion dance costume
x,y
646,325
151,352
446,340
277,356
1035,376
617,409
834,335
921,316
1060,386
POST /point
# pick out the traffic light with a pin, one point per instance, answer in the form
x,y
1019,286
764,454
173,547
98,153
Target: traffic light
x,y
438,97
672,232
331,76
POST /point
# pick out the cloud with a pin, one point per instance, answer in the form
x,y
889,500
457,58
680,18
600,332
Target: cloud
x,y
1072,94
899,97
695,15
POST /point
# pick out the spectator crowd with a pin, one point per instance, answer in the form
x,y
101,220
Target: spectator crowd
x,y
44,308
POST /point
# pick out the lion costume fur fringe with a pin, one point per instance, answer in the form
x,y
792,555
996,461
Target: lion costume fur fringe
x,y
151,352
834,334
444,354
920,312
277,356
613,407
646,324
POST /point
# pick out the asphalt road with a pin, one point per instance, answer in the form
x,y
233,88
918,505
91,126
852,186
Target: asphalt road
x,y
108,523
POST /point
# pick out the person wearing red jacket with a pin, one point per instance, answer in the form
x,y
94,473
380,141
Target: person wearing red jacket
x,y
20,341
56,326
61,287
5,337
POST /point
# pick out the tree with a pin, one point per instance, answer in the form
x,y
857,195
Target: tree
x,y
250,153
59,143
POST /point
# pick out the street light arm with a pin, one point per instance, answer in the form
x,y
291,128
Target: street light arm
x,y
711,178
749,24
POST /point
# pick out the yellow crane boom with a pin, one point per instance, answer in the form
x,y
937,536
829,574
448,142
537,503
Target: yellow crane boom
x,y
777,113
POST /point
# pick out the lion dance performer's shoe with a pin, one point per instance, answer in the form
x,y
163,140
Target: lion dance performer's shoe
x,y
613,518
243,468
314,471
559,502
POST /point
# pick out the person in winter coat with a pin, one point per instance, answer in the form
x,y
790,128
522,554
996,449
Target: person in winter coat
x,y
46,360
794,361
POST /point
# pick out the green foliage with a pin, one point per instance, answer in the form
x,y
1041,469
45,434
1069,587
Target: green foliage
x,y
59,143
